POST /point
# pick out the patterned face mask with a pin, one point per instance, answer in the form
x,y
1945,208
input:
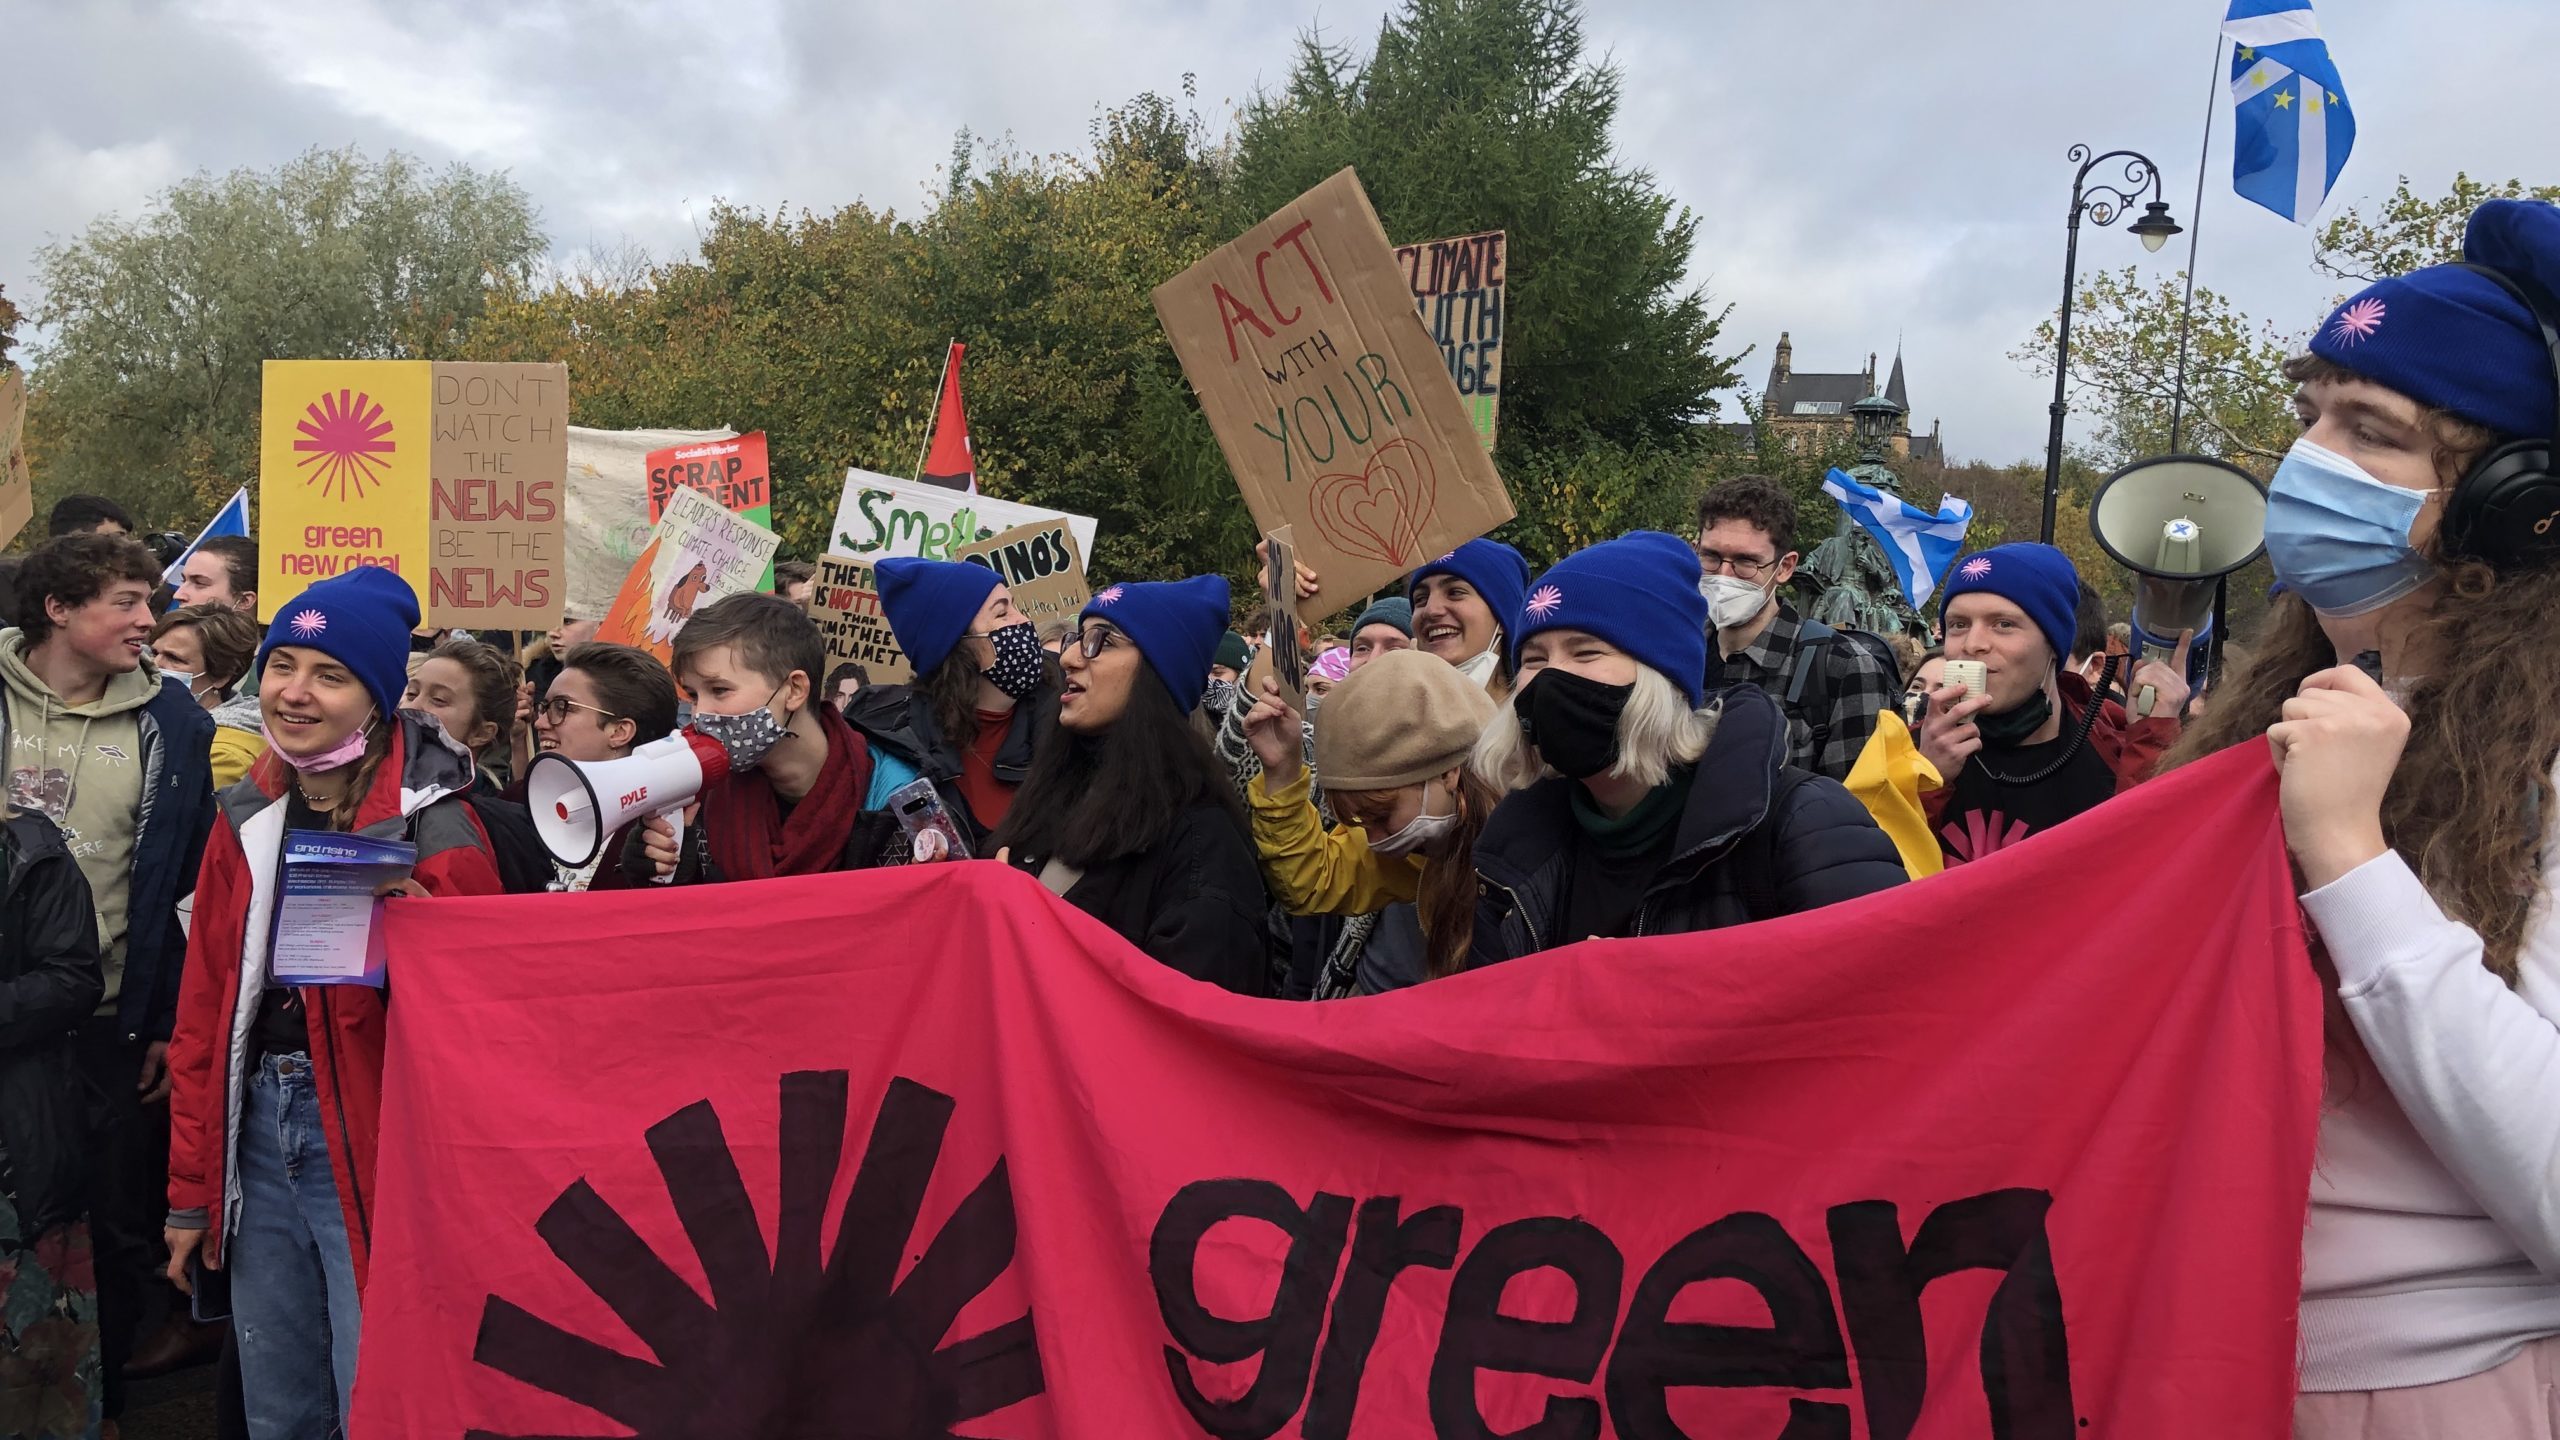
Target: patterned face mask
x,y
1017,668
746,737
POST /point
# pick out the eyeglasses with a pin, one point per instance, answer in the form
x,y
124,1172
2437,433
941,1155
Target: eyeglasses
x,y
1091,642
556,710
1741,567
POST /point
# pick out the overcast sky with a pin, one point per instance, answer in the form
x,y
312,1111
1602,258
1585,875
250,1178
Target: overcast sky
x,y
1865,169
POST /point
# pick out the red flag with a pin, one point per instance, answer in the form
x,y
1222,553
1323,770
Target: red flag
x,y
2016,1151
949,459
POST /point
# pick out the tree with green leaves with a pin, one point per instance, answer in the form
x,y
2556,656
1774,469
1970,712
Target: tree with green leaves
x,y
9,318
2413,231
1476,115
2124,370
146,389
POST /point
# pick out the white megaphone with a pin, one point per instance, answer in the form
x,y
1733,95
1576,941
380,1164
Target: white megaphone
x,y
577,803
2179,523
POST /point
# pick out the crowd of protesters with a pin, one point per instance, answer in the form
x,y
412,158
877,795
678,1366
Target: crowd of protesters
x,y
1650,737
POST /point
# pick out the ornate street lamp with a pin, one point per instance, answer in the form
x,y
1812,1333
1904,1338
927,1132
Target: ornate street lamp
x,y
2102,203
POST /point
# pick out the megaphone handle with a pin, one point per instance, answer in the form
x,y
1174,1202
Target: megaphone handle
x,y
674,816
2143,700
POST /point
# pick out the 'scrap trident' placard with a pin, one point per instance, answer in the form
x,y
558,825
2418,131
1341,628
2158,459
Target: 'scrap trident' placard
x,y
1333,404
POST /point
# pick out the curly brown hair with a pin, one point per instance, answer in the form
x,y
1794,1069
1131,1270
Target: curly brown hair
x,y
2465,807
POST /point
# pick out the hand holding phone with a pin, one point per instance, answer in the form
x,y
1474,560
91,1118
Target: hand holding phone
x,y
931,832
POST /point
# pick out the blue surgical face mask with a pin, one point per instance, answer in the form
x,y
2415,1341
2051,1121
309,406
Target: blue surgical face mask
x,y
2340,538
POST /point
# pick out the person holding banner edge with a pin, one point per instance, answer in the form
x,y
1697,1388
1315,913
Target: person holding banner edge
x,y
1633,810
984,696
2404,684
1126,814
276,1089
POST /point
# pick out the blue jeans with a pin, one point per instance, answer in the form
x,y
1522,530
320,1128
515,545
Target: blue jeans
x,y
293,1279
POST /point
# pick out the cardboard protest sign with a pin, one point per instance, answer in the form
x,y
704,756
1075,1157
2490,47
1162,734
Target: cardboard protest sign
x,y
1281,657
733,471
698,554
17,483
1040,565
1458,289
344,467
500,462
881,515
927,1151
846,604
1332,403
608,516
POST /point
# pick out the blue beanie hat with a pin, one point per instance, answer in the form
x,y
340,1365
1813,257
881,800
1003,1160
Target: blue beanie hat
x,y
929,604
1639,592
1176,624
2453,339
2036,578
1394,610
362,620
1494,569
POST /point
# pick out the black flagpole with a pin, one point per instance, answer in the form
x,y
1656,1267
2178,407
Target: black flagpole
x,y
2186,316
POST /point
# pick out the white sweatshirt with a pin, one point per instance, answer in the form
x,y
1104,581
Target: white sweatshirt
x,y
2433,1251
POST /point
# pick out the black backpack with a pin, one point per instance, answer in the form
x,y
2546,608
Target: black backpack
x,y
1809,686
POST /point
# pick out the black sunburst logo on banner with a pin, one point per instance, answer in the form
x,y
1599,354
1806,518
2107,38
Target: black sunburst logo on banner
x,y
806,1344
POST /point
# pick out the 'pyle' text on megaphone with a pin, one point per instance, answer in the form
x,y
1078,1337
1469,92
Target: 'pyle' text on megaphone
x,y
577,804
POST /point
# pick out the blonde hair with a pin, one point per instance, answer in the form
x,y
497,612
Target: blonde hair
x,y
1657,733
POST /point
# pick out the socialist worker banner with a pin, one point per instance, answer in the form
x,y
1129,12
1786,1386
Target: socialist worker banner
x,y
2016,1152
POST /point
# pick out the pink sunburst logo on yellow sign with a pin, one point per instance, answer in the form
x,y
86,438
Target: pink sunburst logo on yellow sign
x,y
346,445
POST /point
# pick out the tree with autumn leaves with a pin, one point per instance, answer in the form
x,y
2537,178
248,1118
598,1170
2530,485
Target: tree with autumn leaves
x,y
827,331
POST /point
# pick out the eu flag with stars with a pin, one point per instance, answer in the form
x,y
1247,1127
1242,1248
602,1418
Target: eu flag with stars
x,y
2291,129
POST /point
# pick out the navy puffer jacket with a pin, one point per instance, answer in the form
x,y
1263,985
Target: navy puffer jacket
x,y
1760,839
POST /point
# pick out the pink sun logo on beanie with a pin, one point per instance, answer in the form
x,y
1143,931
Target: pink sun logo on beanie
x,y
1976,568
1546,602
1110,595
308,624
2357,321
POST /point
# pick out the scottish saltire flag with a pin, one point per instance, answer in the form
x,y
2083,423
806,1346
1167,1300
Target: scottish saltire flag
x,y
1919,544
231,519
2291,129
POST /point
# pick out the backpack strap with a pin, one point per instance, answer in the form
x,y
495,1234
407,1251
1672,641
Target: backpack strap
x,y
1811,636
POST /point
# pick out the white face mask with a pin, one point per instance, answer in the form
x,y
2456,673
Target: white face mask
x,y
1424,828
1732,602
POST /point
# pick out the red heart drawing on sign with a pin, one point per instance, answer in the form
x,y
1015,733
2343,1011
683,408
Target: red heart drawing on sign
x,y
1380,512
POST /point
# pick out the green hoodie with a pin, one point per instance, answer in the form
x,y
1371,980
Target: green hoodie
x,y
81,767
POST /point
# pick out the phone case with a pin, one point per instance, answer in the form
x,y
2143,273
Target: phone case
x,y
918,807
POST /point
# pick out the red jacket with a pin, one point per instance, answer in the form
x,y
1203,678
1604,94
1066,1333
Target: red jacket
x,y
208,1053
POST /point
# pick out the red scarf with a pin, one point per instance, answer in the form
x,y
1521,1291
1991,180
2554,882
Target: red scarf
x,y
749,838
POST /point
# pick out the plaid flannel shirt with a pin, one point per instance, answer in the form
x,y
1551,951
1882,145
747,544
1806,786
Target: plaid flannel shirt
x,y
1860,687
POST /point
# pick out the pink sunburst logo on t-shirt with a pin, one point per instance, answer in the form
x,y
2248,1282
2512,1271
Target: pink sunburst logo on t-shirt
x,y
2357,322
346,444
1545,602
308,623
1976,568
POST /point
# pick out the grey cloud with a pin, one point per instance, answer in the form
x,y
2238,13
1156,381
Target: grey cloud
x,y
1860,169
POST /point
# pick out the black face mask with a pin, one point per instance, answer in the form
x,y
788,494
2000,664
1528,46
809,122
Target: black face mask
x,y
1573,721
1017,668
2012,728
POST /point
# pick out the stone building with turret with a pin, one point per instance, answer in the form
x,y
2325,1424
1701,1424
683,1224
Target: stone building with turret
x,y
1805,404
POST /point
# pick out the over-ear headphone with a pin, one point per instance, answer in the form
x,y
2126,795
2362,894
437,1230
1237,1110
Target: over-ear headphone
x,y
2506,509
